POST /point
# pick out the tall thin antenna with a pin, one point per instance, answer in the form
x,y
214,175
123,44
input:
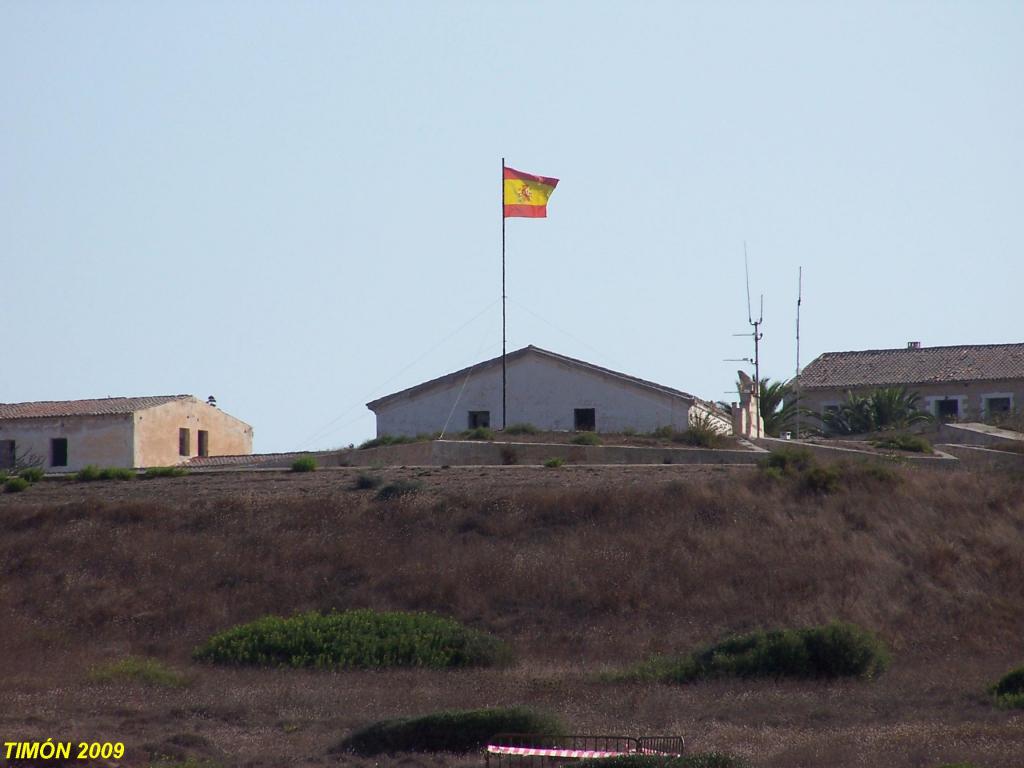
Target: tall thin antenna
x,y
757,339
796,378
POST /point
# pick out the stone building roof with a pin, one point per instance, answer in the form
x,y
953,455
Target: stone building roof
x,y
921,365
457,376
106,406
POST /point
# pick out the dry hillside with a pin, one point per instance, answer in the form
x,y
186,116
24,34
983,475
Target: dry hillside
x,y
582,569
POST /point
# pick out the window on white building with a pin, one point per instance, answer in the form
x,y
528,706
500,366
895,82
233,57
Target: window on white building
x,y
584,419
59,452
479,419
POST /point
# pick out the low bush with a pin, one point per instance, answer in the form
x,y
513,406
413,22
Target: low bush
x,y
479,433
664,433
137,670
365,481
509,455
522,428
789,461
821,479
554,462
398,489
911,443
697,760
1009,691
386,440
32,474
586,438
304,464
359,639
91,472
15,484
829,651
155,472
458,731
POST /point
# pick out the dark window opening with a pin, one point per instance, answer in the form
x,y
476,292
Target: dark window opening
x,y
479,419
997,405
204,443
6,454
59,452
184,442
947,409
584,419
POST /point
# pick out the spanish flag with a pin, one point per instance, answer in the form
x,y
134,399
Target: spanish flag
x,y
525,194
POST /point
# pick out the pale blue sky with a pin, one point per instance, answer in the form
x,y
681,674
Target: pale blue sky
x,y
294,206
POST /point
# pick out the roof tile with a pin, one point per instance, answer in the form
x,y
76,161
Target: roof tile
x,y
106,406
923,365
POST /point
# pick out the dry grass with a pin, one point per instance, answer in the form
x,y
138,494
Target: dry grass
x,y
578,577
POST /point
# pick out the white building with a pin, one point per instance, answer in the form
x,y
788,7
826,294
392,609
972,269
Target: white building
x,y
545,389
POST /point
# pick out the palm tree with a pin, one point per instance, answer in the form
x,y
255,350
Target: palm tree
x,y
883,408
780,406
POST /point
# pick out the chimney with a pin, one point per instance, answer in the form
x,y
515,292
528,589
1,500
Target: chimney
x,y
913,345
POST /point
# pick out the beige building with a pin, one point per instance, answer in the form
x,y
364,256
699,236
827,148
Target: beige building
x,y
64,436
962,383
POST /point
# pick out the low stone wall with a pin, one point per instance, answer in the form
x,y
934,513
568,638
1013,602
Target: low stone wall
x,y
977,457
833,453
473,452
977,434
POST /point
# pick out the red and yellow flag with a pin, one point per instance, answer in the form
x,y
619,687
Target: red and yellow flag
x,y
525,194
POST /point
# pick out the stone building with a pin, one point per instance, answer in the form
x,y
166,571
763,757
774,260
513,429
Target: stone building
x,y
550,391
964,382
117,432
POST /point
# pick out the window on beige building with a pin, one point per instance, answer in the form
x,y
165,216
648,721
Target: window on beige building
x,y
184,442
204,442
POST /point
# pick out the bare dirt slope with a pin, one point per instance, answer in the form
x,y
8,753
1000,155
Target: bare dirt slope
x,y
582,569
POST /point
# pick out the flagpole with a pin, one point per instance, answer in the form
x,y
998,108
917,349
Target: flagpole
x,y
503,368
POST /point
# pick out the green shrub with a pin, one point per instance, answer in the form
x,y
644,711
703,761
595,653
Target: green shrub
x,y
509,455
31,474
586,438
554,462
452,731
88,473
698,760
522,428
365,481
398,489
91,472
136,670
154,472
3,475
386,440
15,484
360,639
789,461
821,479
304,464
479,433
664,433
829,651
1009,691
911,443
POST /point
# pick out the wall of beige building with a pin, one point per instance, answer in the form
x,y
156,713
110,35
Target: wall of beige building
x,y
974,397
102,440
171,433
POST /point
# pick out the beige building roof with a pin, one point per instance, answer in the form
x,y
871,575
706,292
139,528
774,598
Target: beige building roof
x,y
920,365
105,406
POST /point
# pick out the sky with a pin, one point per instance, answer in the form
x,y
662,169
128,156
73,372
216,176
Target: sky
x,y
295,206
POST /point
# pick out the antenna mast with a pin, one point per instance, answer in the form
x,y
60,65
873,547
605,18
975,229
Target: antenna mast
x,y
796,387
757,338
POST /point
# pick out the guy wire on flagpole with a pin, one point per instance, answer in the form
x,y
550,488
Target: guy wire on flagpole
x,y
503,370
